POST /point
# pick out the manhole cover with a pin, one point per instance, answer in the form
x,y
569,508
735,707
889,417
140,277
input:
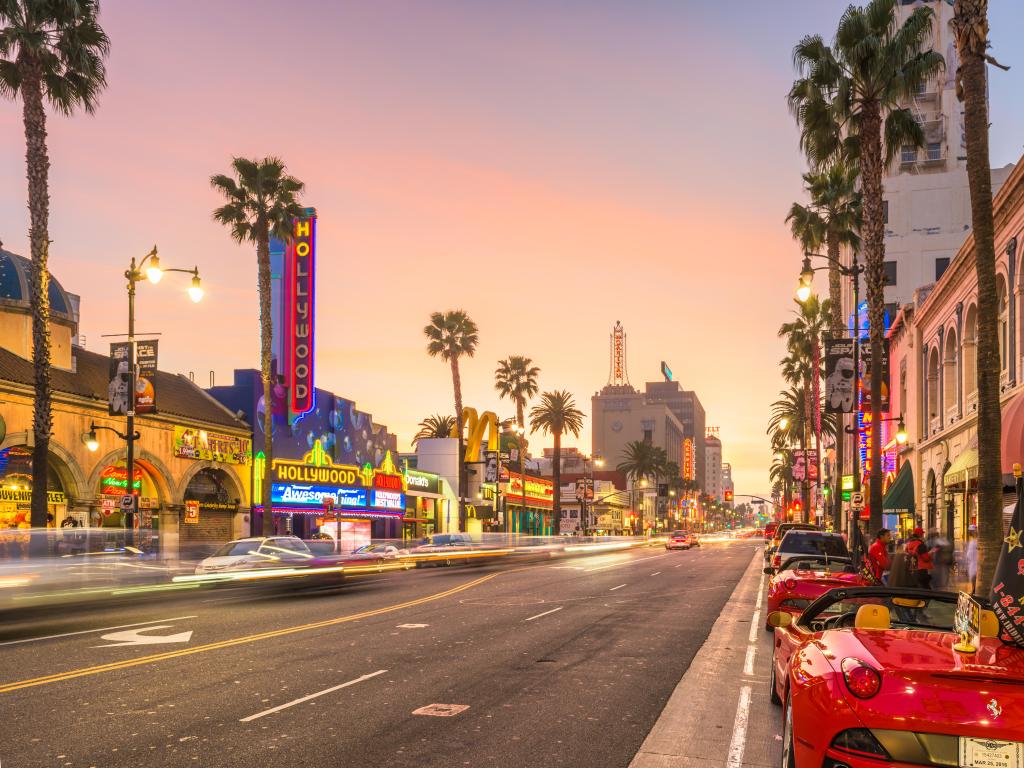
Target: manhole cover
x,y
441,710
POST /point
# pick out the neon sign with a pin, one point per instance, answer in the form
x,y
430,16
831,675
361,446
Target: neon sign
x,y
114,481
314,495
300,300
689,460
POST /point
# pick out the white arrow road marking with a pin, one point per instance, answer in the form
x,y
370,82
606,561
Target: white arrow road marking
x,y
134,637
91,631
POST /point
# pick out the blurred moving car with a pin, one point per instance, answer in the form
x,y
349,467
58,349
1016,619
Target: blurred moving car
x,y
804,578
813,542
680,540
872,676
780,531
256,552
443,549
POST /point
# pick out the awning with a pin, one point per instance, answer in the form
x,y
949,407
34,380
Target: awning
x,y
899,500
1012,439
965,465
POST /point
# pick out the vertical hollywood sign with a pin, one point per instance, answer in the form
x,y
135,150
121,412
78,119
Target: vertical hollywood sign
x,y
300,273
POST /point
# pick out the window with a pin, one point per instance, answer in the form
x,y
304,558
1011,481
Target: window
x,y
648,435
908,154
934,150
941,265
890,272
885,211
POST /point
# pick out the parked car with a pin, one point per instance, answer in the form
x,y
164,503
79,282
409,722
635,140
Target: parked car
x,y
803,542
680,540
256,552
804,578
872,676
780,531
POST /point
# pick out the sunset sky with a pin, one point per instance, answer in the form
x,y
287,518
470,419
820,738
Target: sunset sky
x,y
550,167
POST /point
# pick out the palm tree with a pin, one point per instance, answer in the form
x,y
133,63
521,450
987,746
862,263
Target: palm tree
x,y
452,335
52,52
261,203
515,378
848,98
435,426
970,24
557,415
642,460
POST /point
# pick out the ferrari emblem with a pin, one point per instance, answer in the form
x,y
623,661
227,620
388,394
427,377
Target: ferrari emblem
x,y
994,709
1013,539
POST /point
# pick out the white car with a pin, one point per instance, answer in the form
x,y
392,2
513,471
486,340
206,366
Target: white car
x,y
256,552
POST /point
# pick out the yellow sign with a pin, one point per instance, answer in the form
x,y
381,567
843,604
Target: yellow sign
x,y
25,496
475,426
212,446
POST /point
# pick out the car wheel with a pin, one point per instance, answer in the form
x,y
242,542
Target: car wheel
x,y
788,756
773,688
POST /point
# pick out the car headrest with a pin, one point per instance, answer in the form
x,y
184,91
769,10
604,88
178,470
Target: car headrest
x,y
872,617
989,624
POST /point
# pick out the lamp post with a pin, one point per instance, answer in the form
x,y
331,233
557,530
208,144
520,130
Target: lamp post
x,y
803,292
92,443
147,269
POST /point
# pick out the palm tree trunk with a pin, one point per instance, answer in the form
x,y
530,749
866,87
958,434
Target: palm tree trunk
x,y
874,253
37,164
835,297
971,40
556,478
266,337
457,388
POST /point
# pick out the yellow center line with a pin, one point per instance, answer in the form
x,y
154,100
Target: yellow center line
x,y
153,658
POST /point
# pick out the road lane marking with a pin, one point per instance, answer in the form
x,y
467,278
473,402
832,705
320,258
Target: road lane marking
x,y
656,573
84,671
134,637
272,710
546,613
626,562
678,566
618,587
739,730
748,661
755,627
91,631
411,626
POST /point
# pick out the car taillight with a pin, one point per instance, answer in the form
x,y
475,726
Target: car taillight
x,y
862,680
859,741
789,584
776,561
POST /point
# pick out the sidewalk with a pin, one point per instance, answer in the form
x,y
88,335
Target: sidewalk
x,y
720,713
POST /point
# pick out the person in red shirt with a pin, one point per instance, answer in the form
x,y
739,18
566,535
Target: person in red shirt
x,y
921,560
878,555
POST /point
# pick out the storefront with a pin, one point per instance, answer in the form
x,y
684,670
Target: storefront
x,y
16,491
315,497
529,501
898,505
425,505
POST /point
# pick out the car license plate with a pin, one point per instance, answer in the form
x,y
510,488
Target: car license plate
x,y
991,753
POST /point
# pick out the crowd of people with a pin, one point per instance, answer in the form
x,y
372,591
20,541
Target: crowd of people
x,y
926,562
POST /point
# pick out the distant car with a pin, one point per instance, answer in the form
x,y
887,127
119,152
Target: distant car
x,y
802,542
256,552
680,540
871,677
387,551
443,549
781,530
804,578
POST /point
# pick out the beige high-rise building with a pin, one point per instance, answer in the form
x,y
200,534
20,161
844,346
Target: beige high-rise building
x,y
713,467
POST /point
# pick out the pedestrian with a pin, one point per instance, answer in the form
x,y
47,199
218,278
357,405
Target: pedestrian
x,y
942,557
971,557
920,561
878,556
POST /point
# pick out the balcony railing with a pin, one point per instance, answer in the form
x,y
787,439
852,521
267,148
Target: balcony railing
x,y
952,414
936,425
971,403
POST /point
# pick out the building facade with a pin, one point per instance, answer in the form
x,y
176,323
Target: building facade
x,y
713,468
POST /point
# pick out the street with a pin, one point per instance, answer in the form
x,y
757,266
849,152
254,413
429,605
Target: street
x,y
569,664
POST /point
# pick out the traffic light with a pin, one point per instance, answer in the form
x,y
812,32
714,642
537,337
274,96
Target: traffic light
x,y
728,495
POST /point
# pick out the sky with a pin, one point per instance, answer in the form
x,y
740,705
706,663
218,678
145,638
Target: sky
x,y
548,166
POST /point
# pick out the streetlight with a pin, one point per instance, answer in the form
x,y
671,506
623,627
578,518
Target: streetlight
x,y
147,269
901,432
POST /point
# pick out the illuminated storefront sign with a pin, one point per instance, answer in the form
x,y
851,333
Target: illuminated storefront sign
x,y
211,446
300,300
292,494
316,467
20,496
114,481
422,482
387,500
689,460
537,489
475,426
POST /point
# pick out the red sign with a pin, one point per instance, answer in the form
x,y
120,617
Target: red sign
x,y
191,511
114,481
300,282
387,482
689,460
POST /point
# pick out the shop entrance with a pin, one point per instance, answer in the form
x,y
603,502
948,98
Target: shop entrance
x,y
215,492
16,491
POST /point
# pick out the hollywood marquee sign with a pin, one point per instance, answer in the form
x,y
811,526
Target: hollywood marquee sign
x,y
300,301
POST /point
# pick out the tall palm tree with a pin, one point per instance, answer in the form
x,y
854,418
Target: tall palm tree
x,y
970,24
435,426
642,461
515,378
261,203
556,415
50,51
450,336
849,95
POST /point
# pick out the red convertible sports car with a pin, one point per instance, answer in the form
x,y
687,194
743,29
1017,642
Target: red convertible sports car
x,y
875,676
803,579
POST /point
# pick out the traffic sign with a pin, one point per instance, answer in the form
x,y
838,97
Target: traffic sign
x,y
857,501
129,503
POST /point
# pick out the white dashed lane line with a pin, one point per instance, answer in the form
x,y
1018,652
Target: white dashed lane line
x,y
546,613
618,587
272,710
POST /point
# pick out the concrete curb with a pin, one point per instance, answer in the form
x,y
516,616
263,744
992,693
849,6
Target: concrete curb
x,y
720,713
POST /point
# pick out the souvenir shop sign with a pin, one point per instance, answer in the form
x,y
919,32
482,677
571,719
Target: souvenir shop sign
x,y
202,444
24,496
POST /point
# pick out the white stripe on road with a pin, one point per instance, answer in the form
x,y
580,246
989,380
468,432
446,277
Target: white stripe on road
x,y
748,661
618,587
678,566
546,613
90,631
739,730
755,626
655,573
311,696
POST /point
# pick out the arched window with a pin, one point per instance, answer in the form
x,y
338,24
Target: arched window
x,y
1003,310
970,366
949,374
934,406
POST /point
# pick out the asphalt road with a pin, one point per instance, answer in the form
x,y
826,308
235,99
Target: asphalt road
x,y
566,663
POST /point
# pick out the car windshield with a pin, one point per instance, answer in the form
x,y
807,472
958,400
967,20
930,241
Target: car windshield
x,y
827,565
680,533
908,609
810,544
234,548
